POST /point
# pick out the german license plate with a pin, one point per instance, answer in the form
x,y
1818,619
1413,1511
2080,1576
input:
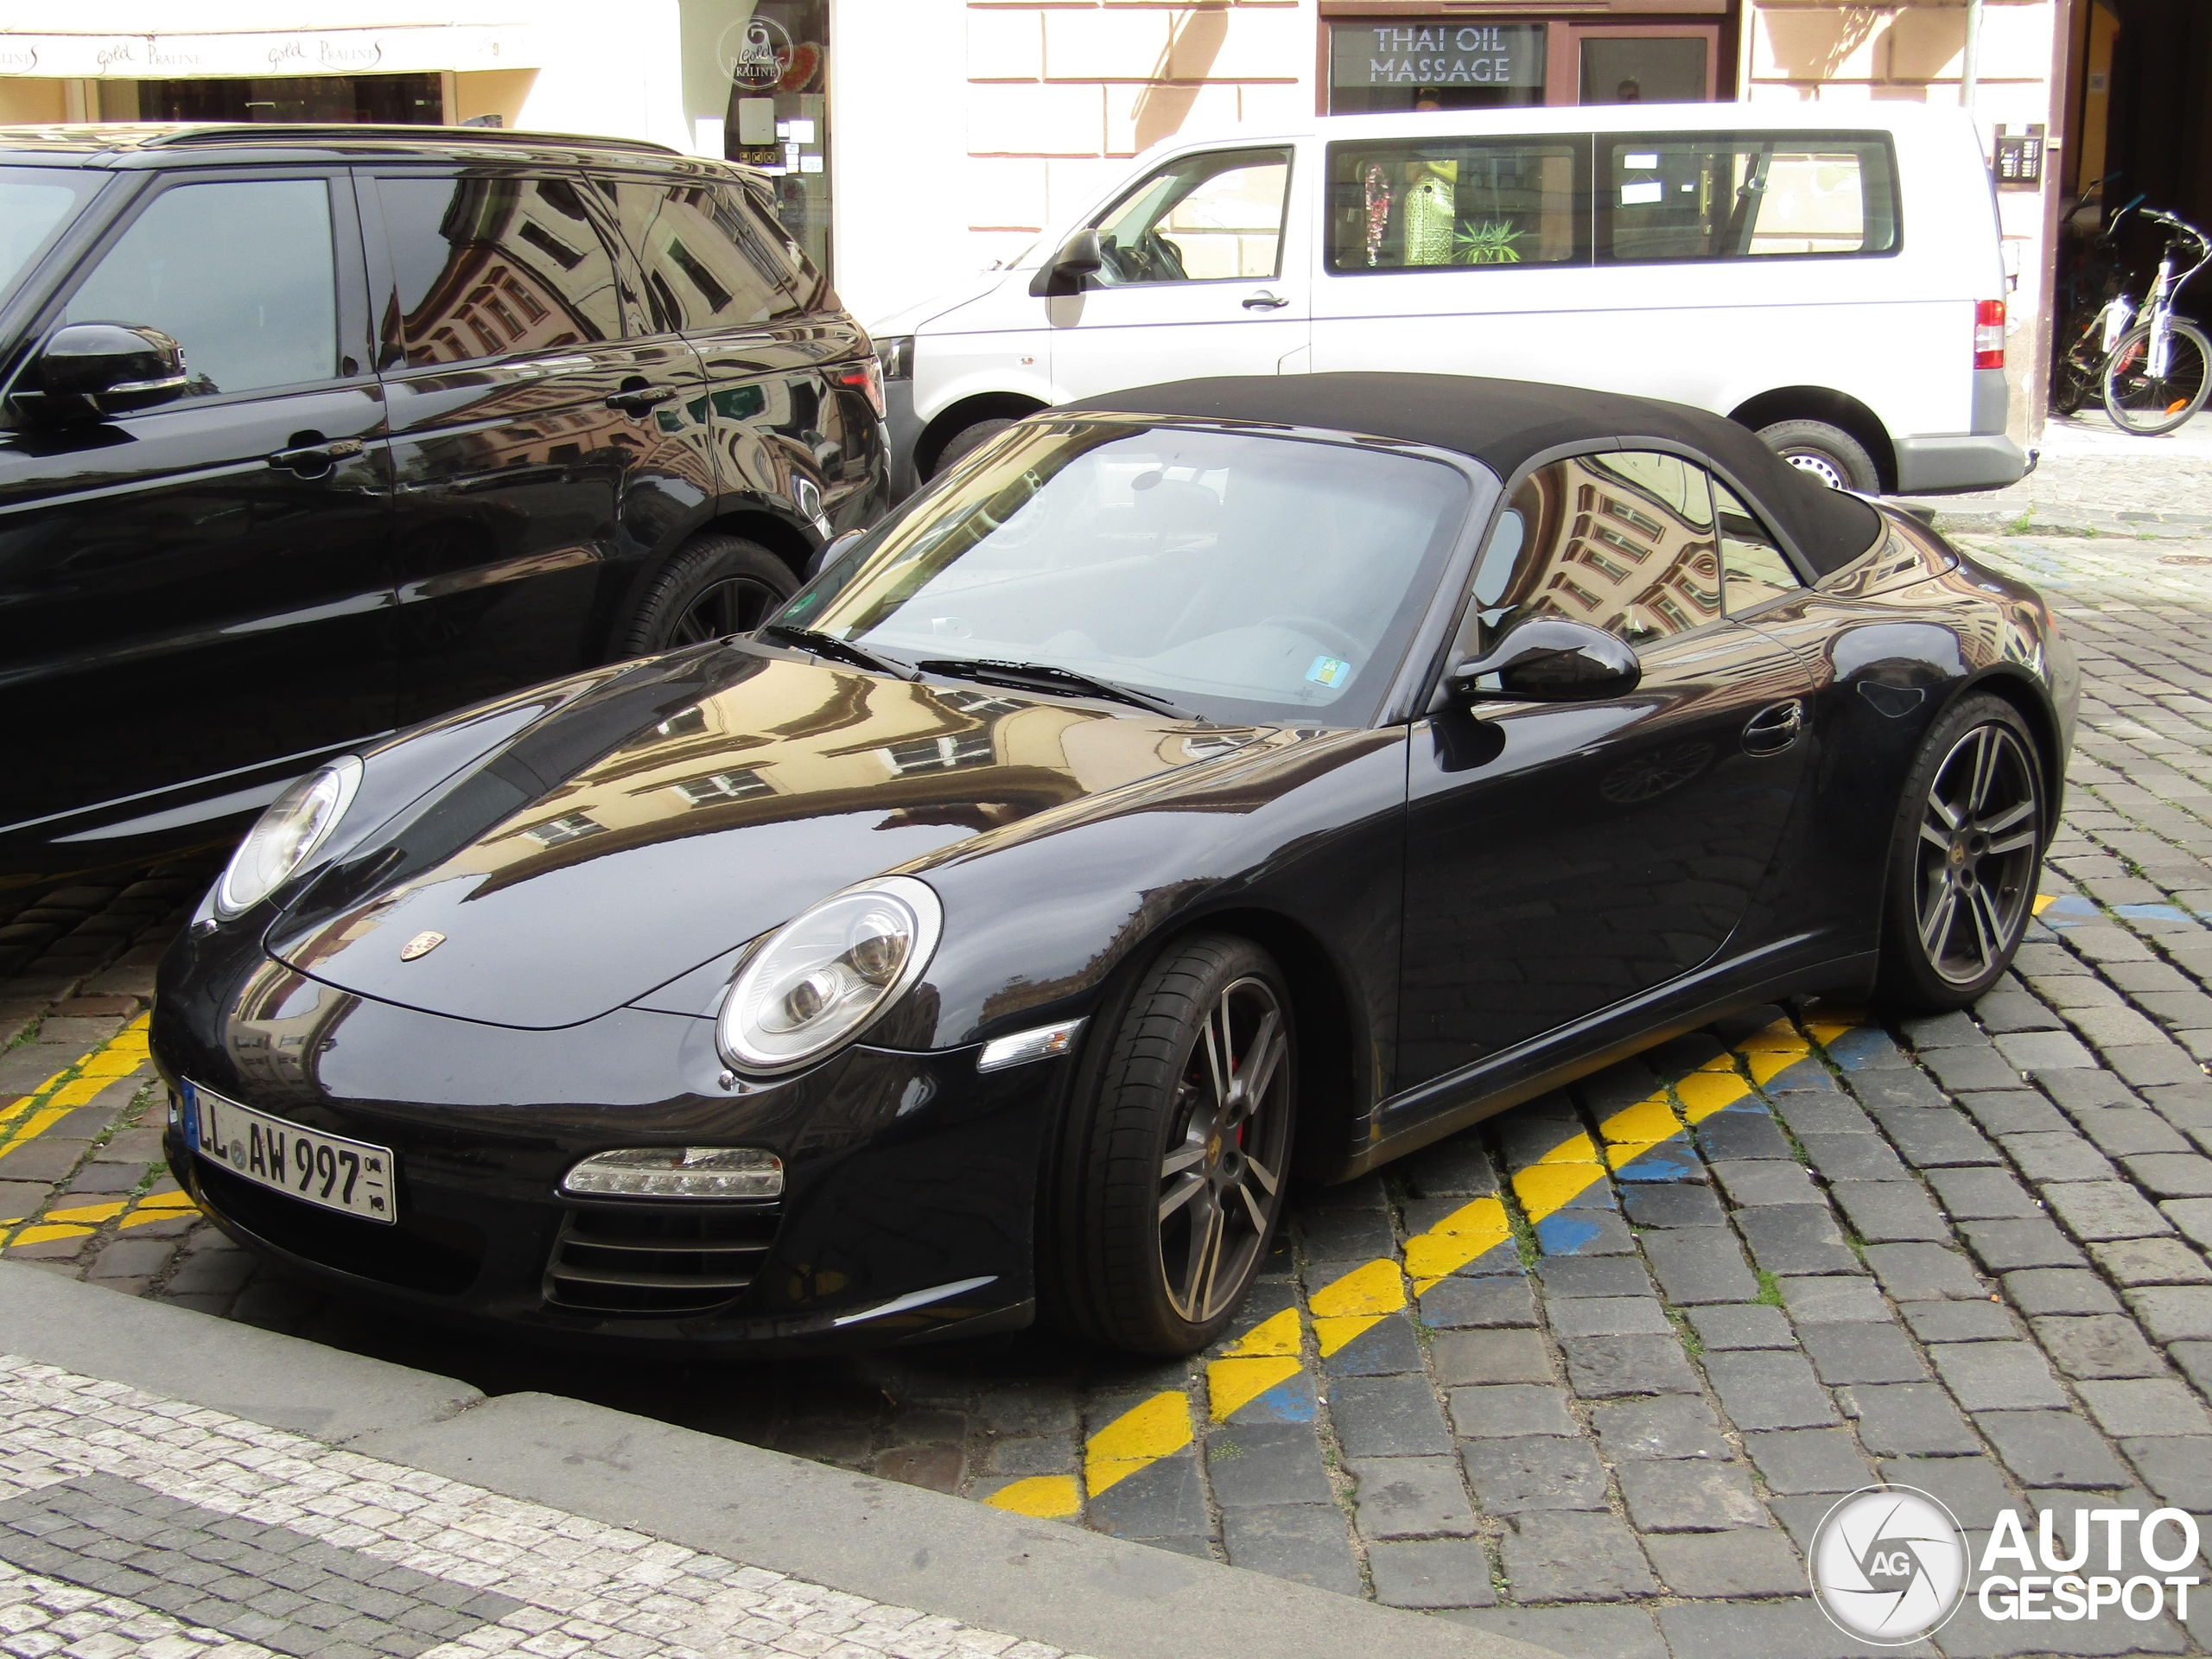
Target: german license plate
x,y
328,1171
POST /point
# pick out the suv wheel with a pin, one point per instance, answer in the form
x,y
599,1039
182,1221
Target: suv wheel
x,y
714,586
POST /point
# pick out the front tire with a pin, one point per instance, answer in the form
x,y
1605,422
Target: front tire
x,y
966,441
1829,453
1964,858
2149,404
1171,1173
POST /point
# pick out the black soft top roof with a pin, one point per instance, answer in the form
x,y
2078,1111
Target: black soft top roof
x,y
1503,423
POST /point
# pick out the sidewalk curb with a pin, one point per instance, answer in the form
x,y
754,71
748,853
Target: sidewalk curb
x,y
905,1545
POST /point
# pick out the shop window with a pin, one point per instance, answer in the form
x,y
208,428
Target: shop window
x,y
1646,68
241,273
1205,218
1750,562
770,65
1739,196
494,267
1467,202
1434,64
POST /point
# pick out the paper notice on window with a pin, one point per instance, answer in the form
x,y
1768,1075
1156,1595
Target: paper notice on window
x,y
1639,195
1642,162
810,164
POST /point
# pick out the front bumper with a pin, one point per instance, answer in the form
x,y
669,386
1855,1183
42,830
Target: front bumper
x,y
904,1173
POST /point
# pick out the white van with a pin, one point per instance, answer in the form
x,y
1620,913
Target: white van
x,y
1828,275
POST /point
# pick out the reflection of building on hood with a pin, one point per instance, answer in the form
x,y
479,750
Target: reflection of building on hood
x,y
1431,213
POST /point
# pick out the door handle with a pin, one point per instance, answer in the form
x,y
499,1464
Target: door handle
x,y
1263,301
636,400
310,460
1774,728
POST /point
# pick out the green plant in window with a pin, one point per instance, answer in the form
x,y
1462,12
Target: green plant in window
x,y
1490,242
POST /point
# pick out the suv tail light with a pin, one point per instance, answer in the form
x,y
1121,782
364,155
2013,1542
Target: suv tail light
x,y
1989,334
867,376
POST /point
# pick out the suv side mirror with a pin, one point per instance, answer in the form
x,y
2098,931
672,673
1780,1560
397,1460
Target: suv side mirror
x,y
96,371
1079,257
830,552
1550,659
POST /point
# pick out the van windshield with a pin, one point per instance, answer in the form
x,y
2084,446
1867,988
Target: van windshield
x,y
1243,575
35,204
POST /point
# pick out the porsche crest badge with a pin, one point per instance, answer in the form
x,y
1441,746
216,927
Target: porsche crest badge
x,y
421,946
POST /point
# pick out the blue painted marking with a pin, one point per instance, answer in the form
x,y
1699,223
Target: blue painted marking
x,y
1670,1161
2148,912
1563,1233
1865,1047
2072,910
1807,1073
1290,1401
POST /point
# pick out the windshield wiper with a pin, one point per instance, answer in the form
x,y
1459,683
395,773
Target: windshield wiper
x,y
828,645
1048,676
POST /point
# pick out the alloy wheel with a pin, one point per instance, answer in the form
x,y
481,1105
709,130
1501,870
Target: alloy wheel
x,y
733,605
1221,1179
1977,850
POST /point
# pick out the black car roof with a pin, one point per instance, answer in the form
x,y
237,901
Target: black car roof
x,y
1505,423
154,141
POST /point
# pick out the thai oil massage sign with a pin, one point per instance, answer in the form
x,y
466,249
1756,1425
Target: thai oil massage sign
x,y
1441,54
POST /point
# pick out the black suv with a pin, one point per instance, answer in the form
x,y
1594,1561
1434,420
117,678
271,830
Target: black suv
x,y
310,433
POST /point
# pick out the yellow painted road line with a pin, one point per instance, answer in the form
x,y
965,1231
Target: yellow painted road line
x,y
73,1086
1048,1497
1158,1429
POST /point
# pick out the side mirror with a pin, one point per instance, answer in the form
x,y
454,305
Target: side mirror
x,y
96,371
830,552
1549,659
1079,257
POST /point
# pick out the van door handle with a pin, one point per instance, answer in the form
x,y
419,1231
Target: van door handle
x,y
313,460
1774,728
636,400
1264,300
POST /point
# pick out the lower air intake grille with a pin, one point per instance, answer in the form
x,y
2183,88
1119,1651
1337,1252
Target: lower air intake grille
x,y
657,1261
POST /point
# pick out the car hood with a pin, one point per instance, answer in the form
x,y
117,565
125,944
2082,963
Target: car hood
x,y
683,809
911,318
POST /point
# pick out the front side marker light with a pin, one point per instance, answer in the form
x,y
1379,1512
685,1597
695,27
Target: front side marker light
x,y
677,1172
1043,1043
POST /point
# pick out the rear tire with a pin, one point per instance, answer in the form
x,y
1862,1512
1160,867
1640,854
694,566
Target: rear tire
x,y
713,586
1964,858
966,441
1169,1179
1829,453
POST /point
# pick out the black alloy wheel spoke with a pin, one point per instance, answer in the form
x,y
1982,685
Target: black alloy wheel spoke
x,y
1979,834
1221,1176
732,606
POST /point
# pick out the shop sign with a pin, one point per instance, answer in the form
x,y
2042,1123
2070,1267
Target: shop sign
x,y
334,52
755,53
1438,54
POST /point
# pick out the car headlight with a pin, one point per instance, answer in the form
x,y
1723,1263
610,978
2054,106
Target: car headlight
x,y
286,836
820,977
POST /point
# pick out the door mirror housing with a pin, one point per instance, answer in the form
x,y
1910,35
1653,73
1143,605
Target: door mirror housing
x,y
1549,659
830,552
97,371
1080,257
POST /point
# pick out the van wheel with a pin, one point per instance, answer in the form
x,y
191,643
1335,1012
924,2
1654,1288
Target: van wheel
x,y
966,441
714,585
1829,453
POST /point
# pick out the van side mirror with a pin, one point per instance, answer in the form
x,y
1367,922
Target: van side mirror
x,y
96,371
1079,257
1549,659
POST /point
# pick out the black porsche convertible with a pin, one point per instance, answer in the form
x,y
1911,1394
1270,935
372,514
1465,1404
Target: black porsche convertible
x,y
1214,787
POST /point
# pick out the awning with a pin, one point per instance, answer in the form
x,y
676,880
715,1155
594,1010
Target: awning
x,y
410,48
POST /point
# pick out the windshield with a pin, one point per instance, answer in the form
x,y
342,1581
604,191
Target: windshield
x,y
35,202
1247,577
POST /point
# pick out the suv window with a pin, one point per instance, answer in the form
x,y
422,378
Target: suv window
x,y
1623,541
1751,565
241,273
36,203
1418,205
1745,195
494,265
709,262
1203,219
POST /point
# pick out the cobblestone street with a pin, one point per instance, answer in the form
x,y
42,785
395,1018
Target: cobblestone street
x,y
1590,1374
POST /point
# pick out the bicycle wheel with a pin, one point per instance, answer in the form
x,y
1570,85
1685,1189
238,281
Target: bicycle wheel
x,y
2146,403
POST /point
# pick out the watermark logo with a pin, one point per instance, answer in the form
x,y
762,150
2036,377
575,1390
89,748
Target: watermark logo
x,y
1889,1565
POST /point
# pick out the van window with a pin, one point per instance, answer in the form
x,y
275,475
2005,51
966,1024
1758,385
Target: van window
x,y
1408,204
706,265
1621,541
490,266
1202,218
242,274
1741,195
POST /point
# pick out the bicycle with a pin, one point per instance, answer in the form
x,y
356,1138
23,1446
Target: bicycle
x,y
2152,369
